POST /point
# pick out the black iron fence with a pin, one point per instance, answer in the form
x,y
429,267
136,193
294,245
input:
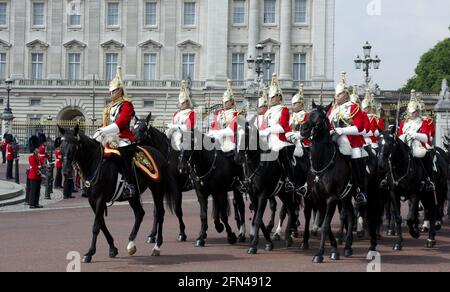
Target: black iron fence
x,y
22,130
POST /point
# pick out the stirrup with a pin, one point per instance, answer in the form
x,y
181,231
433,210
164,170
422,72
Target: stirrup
x,y
289,187
361,199
384,185
128,192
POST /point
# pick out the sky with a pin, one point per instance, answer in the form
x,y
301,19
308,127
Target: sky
x,y
400,31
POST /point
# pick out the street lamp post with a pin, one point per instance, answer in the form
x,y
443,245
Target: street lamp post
x,y
257,65
366,63
50,164
7,115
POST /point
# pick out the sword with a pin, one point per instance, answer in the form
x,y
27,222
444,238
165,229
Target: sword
x,y
165,110
397,116
321,94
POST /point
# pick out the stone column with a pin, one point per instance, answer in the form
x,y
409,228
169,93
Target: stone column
x,y
94,37
55,30
217,42
17,51
168,53
442,110
253,33
131,26
318,35
285,39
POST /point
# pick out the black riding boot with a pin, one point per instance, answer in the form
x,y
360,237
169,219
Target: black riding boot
x,y
285,160
359,176
427,162
127,171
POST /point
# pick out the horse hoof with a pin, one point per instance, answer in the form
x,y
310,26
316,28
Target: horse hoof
x,y
438,226
220,228
269,247
348,252
156,252
335,256
304,246
86,259
371,255
241,238
415,233
132,251
360,234
289,242
200,243
390,232
232,239
317,259
276,237
397,247
182,238
430,243
252,250
113,252
151,240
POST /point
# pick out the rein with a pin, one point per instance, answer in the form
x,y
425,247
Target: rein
x,y
90,182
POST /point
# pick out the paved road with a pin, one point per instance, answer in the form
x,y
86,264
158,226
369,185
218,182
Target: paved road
x,y
40,240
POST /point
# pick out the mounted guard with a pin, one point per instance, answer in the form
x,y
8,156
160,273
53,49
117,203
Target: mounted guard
x,y
224,125
183,119
275,126
348,122
376,122
115,133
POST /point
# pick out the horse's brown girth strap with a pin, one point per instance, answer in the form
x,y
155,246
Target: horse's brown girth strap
x,y
144,161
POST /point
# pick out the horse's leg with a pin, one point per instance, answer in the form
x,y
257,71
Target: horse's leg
x,y
266,233
395,208
223,205
273,211
135,204
317,222
282,216
430,206
262,204
152,237
326,228
216,213
288,204
412,219
343,214
307,212
349,209
182,237
158,198
99,206
203,201
240,214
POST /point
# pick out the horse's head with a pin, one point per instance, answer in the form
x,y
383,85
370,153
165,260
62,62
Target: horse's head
x,y
387,141
70,144
318,123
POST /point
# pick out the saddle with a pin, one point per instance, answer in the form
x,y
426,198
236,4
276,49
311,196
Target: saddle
x,y
142,159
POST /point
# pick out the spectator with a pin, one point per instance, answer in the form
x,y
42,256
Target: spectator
x,y
58,163
34,174
4,149
9,156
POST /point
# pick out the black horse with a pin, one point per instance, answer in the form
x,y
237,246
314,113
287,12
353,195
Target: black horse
x,y
404,176
212,173
147,135
264,178
329,181
101,175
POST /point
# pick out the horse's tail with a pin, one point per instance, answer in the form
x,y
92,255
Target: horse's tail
x,y
171,192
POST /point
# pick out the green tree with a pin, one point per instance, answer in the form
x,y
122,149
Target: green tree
x,y
433,66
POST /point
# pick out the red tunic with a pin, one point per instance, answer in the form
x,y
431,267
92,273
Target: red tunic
x,y
216,124
34,173
9,152
190,121
124,120
58,159
43,156
424,129
357,116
